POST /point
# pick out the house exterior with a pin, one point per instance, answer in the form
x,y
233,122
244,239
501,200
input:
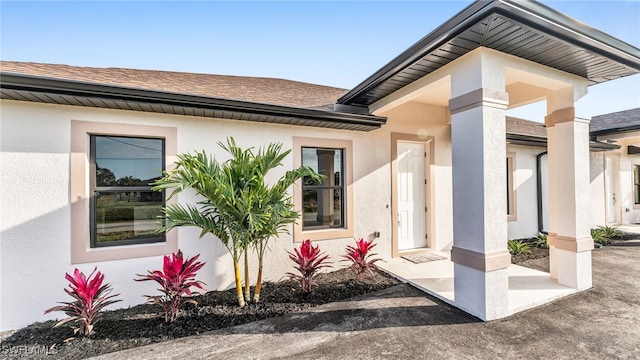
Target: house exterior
x,y
417,152
621,167
527,179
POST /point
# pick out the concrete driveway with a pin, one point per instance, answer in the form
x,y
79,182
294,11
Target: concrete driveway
x,y
404,323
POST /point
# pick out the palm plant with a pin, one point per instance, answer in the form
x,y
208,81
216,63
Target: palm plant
x,y
237,205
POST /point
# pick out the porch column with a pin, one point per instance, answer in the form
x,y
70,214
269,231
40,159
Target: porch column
x,y
479,253
569,238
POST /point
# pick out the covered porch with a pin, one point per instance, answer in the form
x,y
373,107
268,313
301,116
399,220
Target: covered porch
x,y
528,287
491,57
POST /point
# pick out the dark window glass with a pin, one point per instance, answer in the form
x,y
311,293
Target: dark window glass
x,y
636,184
323,203
509,175
124,210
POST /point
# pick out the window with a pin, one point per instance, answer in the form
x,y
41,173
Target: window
x,y
322,202
113,210
636,184
124,209
326,207
511,193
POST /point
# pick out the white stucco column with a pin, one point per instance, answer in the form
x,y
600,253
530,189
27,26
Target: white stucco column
x,y
479,252
569,239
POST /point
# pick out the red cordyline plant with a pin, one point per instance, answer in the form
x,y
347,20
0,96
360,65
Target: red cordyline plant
x,y
309,260
90,298
359,257
176,279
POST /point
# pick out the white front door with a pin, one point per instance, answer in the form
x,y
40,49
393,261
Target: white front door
x,y
611,172
411,195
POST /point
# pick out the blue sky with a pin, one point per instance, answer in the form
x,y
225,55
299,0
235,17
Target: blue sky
x,y
329,42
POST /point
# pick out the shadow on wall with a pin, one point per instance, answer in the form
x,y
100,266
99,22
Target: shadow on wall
x,y
36,255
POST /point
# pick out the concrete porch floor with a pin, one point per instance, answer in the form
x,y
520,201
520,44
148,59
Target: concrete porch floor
x,y
528,288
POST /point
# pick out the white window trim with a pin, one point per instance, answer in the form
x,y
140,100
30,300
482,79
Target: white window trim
x,y
324,234
81,251
633,184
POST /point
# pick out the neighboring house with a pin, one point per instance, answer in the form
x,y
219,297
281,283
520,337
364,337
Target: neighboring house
x,y
527,179
622,166
417,152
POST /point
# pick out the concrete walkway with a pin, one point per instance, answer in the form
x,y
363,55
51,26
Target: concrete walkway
x,y
404,323
528,287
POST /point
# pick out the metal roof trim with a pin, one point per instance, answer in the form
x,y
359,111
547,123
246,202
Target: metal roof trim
x,y
529,140
530,13
454,26
566,27
21,82
621,129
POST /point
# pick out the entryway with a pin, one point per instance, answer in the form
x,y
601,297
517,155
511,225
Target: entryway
x,y
410,189
611,184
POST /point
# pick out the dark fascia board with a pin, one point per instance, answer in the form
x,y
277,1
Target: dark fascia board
x,y
570,30
530,13
528,140
618,130
456,25
40,84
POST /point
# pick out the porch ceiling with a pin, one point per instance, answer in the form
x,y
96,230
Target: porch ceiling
x,y
526,29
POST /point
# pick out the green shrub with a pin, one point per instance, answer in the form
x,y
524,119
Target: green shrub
x,y
603,235
611,232
541,241
517,247
598,237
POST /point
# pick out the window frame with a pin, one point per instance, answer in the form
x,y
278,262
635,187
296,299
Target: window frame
x,y
635,186
347,230
81,191
340,187
94,189
512,208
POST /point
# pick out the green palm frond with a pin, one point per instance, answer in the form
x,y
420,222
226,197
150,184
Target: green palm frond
x,y
206,219
236,204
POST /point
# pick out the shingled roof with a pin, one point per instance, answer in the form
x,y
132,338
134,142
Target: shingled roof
x,y
244,88
255,99
621,121
516,126
533,133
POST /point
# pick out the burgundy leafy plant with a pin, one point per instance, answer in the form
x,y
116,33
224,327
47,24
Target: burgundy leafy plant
x,y
176,279
360,257
90,298
309,260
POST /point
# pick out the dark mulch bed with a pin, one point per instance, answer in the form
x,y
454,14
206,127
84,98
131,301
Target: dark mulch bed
x,y
536,253
144,324
539,253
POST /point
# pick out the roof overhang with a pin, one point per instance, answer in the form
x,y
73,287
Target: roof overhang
x,y
528,140
68,92
526,29
621,131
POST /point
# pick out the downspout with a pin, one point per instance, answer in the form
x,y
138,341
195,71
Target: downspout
x,y
539,186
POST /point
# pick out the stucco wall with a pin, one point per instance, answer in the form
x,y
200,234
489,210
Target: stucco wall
x,y
431,121
35,199
525,184
630,212
597,197
526,224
